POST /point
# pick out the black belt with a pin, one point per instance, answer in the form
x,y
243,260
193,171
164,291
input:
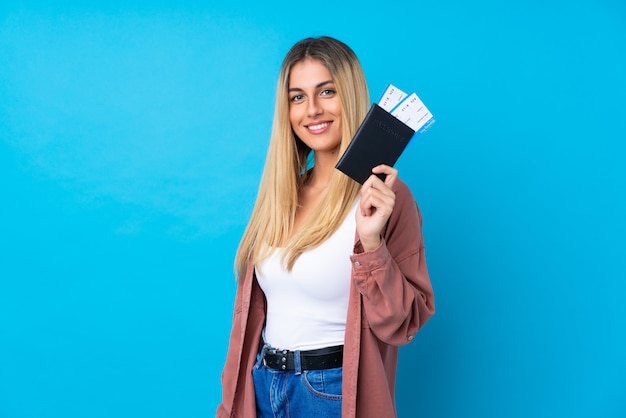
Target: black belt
x,y
321,359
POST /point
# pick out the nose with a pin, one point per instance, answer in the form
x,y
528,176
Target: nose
x,y
313,107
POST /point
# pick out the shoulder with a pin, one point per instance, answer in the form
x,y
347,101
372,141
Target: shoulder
x,y
402,191
403,230
405,205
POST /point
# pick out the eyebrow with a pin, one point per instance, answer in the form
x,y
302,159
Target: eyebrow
x,y
322,84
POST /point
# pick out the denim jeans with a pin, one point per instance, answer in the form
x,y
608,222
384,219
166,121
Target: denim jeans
x,y
296,393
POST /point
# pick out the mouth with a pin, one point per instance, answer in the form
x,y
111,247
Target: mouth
x,y
318,127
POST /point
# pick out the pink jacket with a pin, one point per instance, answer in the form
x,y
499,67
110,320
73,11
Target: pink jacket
x,y
390,299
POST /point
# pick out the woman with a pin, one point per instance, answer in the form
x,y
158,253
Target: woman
x,y
332,275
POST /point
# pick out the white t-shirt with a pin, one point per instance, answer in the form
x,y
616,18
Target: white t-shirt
x,y
307,306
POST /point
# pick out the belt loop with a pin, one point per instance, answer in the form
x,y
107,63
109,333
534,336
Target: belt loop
x,y
263,351
297,362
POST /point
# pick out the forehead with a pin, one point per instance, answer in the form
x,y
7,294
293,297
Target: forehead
x,y
308,73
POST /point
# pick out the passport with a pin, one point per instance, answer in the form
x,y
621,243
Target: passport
x,y
384,133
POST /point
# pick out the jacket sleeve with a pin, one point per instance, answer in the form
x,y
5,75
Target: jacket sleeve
x,y
233,358
393,279
248,319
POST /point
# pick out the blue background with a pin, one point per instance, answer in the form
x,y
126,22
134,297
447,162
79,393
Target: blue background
x,y
132,137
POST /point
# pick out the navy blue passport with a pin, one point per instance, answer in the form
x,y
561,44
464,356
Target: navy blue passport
x,y
380,139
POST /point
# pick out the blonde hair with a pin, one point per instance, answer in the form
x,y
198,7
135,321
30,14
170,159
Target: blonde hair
x,y
285,171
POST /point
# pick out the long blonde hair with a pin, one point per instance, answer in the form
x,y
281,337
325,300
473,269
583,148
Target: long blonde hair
x,y
285,169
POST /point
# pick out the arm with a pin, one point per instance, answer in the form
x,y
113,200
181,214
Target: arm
x,y
392,278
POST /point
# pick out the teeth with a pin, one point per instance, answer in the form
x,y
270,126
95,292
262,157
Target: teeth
x,y
319,126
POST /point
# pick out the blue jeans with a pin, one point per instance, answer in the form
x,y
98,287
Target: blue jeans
x,y
296,393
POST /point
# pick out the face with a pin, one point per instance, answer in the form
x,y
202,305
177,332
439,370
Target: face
x,y
314,106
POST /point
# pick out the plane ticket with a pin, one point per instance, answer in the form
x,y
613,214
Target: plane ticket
x,y
408,108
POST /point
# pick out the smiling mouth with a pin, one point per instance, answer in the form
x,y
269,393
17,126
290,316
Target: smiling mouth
x,y
318,126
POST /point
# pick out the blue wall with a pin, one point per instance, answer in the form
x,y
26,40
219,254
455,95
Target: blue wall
x,y
131,142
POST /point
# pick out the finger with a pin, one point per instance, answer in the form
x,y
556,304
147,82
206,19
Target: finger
x,y
382,201
373,181
391,174
376,185
365,203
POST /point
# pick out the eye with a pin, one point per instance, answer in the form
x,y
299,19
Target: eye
x,y
327,92
296,98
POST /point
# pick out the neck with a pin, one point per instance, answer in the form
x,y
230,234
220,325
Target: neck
x,y
322,171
